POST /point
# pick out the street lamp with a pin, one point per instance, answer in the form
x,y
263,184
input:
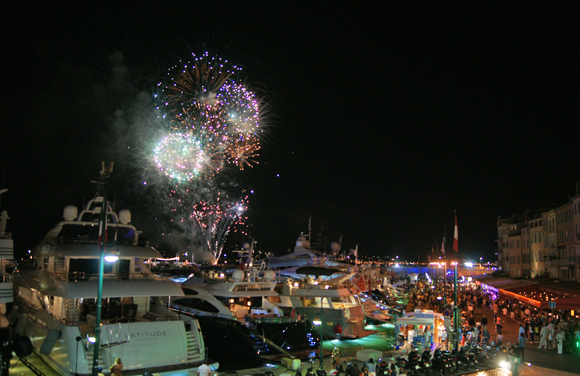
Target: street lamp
x,y
105,173
79,338
318,322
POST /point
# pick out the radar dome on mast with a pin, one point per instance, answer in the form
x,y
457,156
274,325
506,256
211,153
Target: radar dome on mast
x,y
70,213
302,241
125,216
269,275
238,275
335,247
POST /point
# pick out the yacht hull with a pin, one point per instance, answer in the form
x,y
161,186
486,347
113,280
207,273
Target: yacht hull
x,y
141,345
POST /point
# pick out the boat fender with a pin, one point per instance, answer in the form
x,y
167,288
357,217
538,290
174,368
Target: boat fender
x,y
348,283
49,342
23,347
338,329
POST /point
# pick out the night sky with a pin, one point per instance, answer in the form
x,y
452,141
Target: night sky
x,y
381,120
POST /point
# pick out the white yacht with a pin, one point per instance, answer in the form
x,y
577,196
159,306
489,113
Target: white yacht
x,y
57,307
338,301
303,254
332,303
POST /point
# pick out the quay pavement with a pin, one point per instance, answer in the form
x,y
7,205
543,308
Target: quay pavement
x,y
549,359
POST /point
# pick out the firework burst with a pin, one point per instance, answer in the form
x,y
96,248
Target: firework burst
x,y
241,110
214,121
180,156
190,93
243,152
215,220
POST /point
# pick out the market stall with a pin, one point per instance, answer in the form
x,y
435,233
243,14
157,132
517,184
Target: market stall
x,y
410,328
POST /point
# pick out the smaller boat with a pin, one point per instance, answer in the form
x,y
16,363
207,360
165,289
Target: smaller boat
x,y
331,304
245,306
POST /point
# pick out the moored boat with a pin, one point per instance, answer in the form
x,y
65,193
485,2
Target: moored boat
x,y
247,298
57,302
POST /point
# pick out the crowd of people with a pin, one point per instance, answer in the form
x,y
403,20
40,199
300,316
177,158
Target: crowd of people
x,y
553,331
558,331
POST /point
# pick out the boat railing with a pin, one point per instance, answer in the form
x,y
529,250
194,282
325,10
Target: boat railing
x,y
86,239
5,277
193,313
269,319
82,276
147,317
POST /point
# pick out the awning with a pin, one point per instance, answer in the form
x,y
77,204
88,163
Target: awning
x,y
502,282
415,321
533,293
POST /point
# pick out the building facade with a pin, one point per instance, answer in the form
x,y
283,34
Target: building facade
x,y
541,243
564,241
576,232
536,244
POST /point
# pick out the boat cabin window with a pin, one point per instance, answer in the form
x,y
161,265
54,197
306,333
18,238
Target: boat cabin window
x,y
76,232
300,257
88,266
96,217
187,291
198,304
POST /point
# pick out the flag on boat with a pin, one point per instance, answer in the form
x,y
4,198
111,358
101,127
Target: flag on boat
x,y
443,246
360,283
455,236
293,314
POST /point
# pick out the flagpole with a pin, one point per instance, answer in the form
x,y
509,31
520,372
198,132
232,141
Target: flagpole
x,y
106,173
456,312
445,276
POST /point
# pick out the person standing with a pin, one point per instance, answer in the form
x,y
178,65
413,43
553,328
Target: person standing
x,y
543,337
526,327
335,357
505,312
551,335
475,334
522,330
522,345
116,368
203,370
485,336
560,337
371,367
499,338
